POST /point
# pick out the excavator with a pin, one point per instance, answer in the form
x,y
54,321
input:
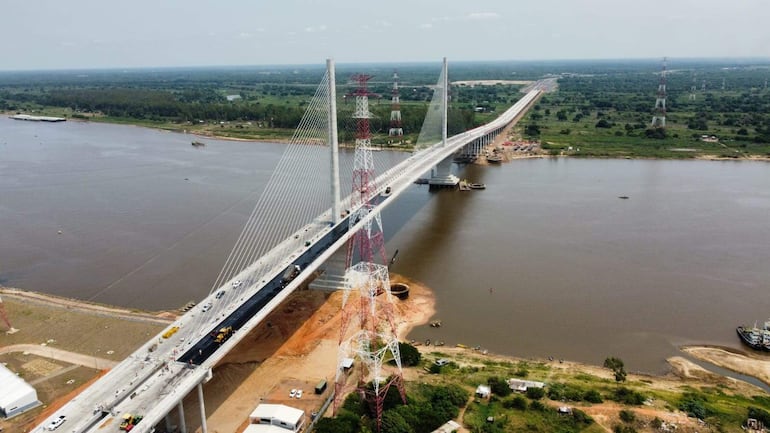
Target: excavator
x,y
223,334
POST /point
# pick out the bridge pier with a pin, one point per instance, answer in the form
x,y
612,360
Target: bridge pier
x,y
168,422
442,176
182,425
204,428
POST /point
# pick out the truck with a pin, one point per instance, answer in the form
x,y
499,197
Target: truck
x,y
171,331
129,421
223,334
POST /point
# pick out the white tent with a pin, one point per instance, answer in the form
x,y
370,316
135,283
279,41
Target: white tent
x,y
17,395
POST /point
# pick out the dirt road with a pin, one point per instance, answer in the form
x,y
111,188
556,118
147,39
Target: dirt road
x,y
61,355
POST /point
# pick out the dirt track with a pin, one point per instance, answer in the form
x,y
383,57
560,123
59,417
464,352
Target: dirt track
x,y
60,355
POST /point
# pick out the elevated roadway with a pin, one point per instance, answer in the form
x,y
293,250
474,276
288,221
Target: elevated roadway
x,y
154,379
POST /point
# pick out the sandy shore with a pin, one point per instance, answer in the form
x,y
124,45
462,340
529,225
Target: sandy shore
x,y
754,365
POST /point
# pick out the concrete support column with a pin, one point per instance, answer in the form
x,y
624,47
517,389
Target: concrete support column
x,y
182,425
168,422
204,429
442,174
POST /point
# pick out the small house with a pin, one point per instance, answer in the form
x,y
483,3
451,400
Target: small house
x,y
522,385
483,391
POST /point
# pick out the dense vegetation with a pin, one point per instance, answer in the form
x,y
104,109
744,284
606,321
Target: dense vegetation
x,y
429,406
609,113
602,108
269,101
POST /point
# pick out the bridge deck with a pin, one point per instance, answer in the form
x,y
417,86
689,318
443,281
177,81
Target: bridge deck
x,y
152,380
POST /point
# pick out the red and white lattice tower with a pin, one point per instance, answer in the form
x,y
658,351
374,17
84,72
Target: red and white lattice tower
x,y
4,317
395,112
367,243
368,331
659,118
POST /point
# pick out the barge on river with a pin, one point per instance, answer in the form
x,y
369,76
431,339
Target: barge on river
x,y
756,338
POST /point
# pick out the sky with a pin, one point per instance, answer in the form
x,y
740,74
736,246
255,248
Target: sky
x,y
82,34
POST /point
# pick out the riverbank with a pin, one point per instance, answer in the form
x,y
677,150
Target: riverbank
x,y
296,346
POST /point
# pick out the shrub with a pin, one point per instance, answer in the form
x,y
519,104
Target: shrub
x,y
535,393
694,404
581,417
537,405
627,396
592,396
517,402
521,372
618,428
627,416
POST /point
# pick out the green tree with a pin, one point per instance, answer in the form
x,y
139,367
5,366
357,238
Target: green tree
x,y
410,356
499,386
393,422
532,130
616,365
345,422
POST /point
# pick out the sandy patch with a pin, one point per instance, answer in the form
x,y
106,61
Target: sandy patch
x,y
750,365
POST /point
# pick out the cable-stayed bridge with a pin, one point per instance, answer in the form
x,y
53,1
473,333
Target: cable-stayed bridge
x,y
299,221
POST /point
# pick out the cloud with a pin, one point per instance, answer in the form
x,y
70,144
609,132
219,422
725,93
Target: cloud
x,y
426,26
67,44
245,35
483,16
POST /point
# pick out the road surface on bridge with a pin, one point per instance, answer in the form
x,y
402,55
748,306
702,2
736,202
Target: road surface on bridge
x,y
156,377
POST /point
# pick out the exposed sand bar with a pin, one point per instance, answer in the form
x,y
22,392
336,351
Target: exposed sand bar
x,y
750,365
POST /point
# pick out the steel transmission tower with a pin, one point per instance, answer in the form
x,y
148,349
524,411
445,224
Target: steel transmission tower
x,y
367,302
659,118
368,242
693,88
395,112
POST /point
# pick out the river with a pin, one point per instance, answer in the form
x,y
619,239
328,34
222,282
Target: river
x,y
547,261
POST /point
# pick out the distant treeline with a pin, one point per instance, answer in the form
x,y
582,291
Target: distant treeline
x,y
209,106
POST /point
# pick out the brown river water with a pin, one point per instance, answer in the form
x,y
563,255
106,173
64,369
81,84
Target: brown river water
x,y
547,261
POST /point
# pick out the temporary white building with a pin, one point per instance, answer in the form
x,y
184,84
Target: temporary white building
x,y
17,396
278,415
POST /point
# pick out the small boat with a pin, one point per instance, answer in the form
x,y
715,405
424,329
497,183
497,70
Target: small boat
x,y
462,346
435,324
477,186
386,192
494,158
422,181
624,197
438,343
197,143
427,342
